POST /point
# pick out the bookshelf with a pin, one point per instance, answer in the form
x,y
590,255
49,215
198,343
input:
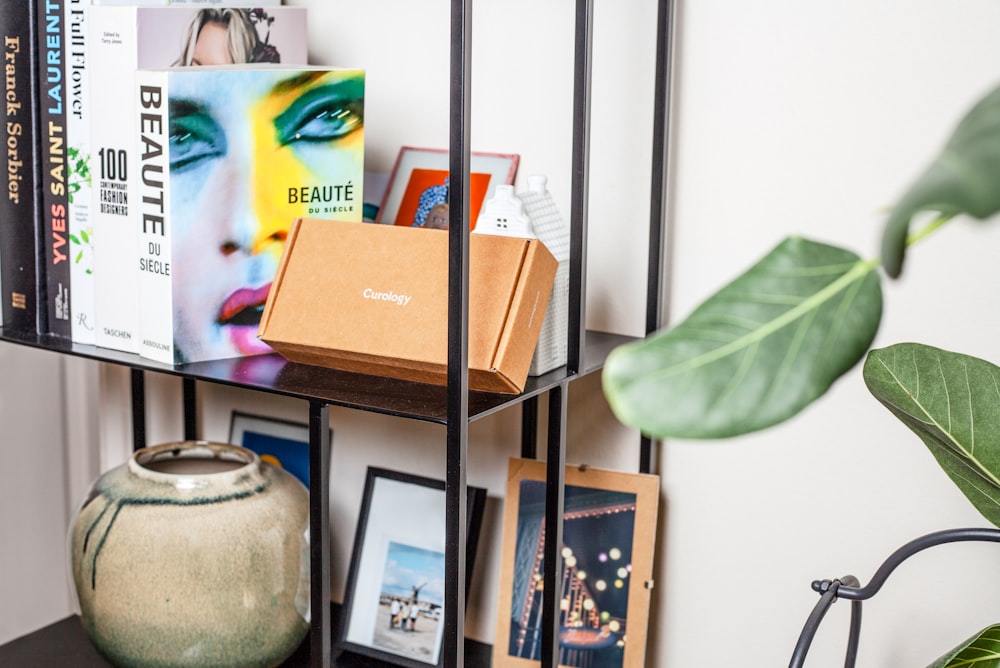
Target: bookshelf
x,y
453,406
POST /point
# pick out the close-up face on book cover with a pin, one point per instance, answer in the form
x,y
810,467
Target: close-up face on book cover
x,y
251,148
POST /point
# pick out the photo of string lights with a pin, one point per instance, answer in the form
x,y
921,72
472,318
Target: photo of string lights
x,y
598,528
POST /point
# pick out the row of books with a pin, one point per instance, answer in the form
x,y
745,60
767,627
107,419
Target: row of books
x,y
157,154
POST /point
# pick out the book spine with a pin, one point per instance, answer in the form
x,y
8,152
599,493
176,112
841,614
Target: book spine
x,y
81,250
111,49
155,230
52,123
21,285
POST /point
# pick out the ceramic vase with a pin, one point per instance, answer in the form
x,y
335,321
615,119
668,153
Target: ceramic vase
x,y
193,554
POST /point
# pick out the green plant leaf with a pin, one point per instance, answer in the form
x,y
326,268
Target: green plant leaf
x,y
755,353
952,402
980,651
961,179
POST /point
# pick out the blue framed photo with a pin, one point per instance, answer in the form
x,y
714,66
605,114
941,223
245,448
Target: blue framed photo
x,y
281,443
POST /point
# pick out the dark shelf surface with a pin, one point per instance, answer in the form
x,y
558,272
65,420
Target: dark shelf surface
x,y
65,643
272,373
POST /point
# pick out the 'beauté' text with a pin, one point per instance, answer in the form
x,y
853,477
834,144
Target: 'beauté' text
x,y
151,128
151,135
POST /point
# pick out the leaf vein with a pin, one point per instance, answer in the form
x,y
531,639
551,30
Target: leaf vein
x,y
858,272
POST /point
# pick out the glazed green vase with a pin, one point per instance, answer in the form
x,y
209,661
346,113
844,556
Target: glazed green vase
x,y
193,554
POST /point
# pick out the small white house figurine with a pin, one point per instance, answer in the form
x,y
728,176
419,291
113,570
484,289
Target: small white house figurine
x,y
504,215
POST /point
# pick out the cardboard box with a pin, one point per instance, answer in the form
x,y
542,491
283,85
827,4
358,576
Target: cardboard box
x,y
374,299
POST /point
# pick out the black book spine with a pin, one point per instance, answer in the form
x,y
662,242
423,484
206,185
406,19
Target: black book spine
x,y
52,126
22,282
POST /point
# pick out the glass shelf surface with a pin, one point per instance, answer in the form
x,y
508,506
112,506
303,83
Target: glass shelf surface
x,y
378,394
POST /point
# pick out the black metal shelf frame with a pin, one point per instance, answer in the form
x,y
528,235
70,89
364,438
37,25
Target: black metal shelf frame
x,y
453,405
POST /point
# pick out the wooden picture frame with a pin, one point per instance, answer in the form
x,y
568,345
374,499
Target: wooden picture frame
x,y
418,183
282,443
398,555
608,537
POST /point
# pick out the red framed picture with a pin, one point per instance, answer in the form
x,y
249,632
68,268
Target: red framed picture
x,y
417,193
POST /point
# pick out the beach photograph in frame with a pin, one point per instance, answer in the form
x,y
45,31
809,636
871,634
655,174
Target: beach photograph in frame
x,y
606,567
394,595
417,192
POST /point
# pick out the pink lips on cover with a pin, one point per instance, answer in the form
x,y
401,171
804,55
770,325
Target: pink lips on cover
x,y
240,315
241,300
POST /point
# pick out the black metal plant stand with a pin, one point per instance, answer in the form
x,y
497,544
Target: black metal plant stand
x,y
849,588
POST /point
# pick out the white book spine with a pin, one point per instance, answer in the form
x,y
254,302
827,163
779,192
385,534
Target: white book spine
x,y
155,228
81,249
112,55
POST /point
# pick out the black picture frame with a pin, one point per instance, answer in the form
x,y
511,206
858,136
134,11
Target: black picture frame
x,y
398,553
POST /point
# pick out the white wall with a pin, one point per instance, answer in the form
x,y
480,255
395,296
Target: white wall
x,y
790,118
33,513
810,118
48,409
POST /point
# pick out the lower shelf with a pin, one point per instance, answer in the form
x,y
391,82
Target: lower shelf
x,y
65,643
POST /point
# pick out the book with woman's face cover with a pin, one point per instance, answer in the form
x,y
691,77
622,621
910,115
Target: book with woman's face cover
x,y
120,40
228,157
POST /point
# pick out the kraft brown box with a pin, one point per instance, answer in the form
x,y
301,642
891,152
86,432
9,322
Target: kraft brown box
x,y
374,299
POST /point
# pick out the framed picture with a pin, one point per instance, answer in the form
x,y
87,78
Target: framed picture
x,y
607,555
394,596
282,443
417,192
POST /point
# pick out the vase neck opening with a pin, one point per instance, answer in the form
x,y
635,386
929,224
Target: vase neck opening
x,y
191,458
